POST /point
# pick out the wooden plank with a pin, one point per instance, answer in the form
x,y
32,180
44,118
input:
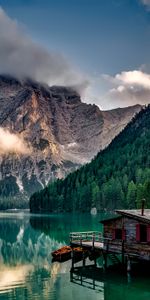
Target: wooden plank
x,y
97,245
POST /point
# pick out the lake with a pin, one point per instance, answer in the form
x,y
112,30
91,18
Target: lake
x,y
26,271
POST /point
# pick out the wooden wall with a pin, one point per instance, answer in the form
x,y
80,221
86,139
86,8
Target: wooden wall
x,y
131,246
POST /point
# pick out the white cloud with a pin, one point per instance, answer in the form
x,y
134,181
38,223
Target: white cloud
x,y
134,78
12,143
128,88
146,2
20,56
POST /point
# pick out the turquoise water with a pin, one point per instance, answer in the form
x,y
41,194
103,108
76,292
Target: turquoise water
x,y
26,271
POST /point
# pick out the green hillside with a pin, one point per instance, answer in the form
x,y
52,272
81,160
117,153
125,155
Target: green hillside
x,y
118,177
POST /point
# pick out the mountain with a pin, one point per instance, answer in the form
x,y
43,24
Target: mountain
x,y
119,176
60,131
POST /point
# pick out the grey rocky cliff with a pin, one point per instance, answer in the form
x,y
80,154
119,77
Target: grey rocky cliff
x,y
61,131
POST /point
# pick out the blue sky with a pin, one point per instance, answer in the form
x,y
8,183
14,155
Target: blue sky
x,y
97,36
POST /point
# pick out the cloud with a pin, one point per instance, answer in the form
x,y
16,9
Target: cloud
x,y
129,88
146,2
20,56
134,78
12,143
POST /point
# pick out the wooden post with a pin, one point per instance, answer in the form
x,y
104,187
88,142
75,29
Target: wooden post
x,y
72,256
105,260
128,264
123,252
99,237
105,255
84,259
81,240
86,237
93,240
71,276
107,247
95,262
142,209
70,238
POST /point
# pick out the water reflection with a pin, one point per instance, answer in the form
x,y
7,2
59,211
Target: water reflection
x,y
111,285
25,258
26,271
13,276
59,226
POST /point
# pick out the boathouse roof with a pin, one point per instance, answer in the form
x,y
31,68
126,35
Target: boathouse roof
x,y
135,214
111,218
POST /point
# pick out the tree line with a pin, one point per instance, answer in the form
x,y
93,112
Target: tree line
x,y
118,177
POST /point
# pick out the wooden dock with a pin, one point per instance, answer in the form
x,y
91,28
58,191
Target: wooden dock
x,y
118,251
93,245
98,246
89,239
94,240
125,239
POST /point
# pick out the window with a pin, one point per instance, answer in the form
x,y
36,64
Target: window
x,y
118,234
142,233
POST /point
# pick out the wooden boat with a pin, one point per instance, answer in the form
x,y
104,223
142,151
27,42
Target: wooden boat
x,y
78,253
65,253
62,254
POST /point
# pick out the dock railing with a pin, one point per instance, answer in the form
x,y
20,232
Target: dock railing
x,y
88,236
96,239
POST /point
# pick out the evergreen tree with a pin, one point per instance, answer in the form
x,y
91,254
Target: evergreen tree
x,y
118,177
131,195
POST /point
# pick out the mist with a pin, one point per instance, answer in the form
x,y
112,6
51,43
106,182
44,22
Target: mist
x,y
12,143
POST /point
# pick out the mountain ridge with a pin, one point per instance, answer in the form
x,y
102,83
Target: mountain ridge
x,y
62,132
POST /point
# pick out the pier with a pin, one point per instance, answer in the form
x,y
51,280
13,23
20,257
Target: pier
x,y
92,240
125,240
97,246
89,239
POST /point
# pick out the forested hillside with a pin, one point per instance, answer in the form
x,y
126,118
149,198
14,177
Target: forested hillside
x,y
119,176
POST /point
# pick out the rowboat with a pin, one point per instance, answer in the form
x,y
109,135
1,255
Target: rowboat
x,y
65,253
62,254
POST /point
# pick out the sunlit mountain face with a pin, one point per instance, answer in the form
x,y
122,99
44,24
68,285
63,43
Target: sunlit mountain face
x,y
46,133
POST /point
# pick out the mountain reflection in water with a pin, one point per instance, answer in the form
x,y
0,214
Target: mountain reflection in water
x,y
26,271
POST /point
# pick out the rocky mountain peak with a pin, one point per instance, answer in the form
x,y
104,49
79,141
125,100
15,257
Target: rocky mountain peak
x,y
61,131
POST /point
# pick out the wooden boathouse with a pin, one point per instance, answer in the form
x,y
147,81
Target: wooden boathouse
x,y
125,238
